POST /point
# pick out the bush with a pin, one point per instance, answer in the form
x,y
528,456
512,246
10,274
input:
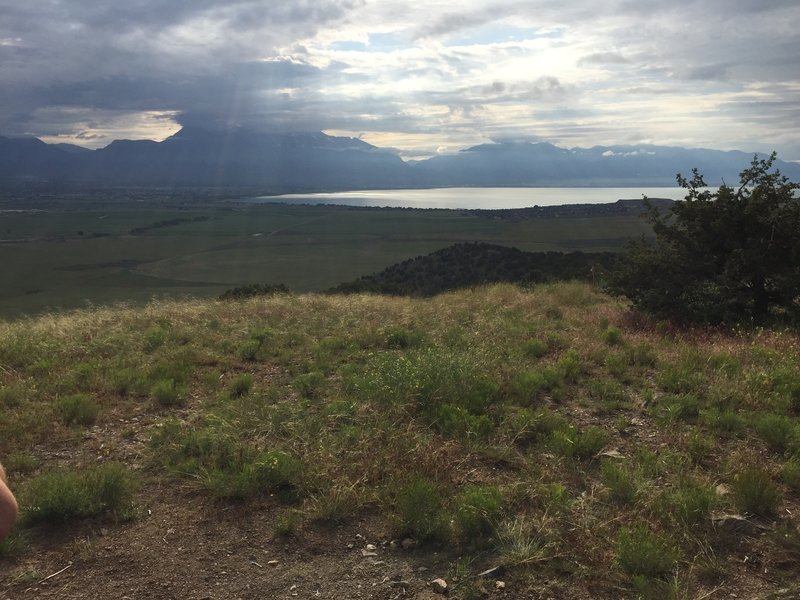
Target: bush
x,y
168,393
641,552
727,256
477,513
419,511
755,492
778,431
61,496
621,481
78,409
241,385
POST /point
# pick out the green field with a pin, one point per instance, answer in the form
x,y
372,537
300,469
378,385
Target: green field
x,y
70,254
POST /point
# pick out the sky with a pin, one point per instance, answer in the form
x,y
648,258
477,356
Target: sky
x,y
423,78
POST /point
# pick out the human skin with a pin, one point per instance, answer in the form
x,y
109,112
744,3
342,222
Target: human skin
x,y
8,507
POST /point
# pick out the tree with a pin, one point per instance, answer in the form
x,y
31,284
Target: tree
x,y
720,257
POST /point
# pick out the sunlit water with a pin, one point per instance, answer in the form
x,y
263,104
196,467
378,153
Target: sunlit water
x,y
478,198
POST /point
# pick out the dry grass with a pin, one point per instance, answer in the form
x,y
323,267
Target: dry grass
x,y
364,397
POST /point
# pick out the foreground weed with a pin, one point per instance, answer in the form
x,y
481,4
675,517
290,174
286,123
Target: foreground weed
x,y
168,392
690,503
78,409
791,474
241,385
778,431
522,542
755,492
621,481
477,511
573,443
420,513
535,348
640,552
61,496
400,338
612,336
14,544
287,522
336,504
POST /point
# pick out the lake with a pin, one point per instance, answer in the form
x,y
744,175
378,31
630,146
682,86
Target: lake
x,y
478,198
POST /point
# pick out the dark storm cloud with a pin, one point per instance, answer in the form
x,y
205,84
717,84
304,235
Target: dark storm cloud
x,y
72,66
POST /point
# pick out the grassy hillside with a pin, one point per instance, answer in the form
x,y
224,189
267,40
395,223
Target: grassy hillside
x,y
176,450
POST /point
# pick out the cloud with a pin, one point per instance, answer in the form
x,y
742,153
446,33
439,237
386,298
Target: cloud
x,y
413,76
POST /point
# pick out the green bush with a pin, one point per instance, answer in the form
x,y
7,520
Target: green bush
x,y
61,496
400,338
791,474
78,409
621,481
755,492
612,336
778,431
477,513
455,420
535,348
420,513
169,393
574,443
241,385
640,552
690,502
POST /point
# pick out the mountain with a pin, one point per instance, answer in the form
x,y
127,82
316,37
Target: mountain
x,y
313,161
542,164
200,157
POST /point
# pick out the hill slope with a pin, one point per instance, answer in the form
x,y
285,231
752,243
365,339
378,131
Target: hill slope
x,y
476,263
362,446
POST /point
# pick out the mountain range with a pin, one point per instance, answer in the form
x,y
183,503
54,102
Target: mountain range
x,y
304,161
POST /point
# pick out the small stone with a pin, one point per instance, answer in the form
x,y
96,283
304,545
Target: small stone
x,y
439,586
499,585
350,546
366,553
371,547
272,563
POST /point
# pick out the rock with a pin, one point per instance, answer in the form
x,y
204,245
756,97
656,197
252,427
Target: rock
x,y
439,586
366,553
371,547
737,524
272,563
499,585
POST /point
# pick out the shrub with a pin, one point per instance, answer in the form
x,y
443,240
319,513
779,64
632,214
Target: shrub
x,y
400,338
60,496
791,474
725,256
169,393
755,492
690,502
612,336
477,512
419,511
535,348
308,384
241,385
573,443
640,552
78,409
778,431
454,420
621,481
